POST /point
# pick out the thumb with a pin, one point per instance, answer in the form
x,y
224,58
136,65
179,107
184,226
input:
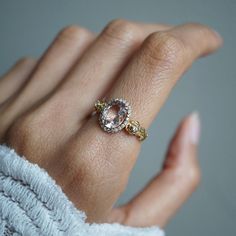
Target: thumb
x,y
162,197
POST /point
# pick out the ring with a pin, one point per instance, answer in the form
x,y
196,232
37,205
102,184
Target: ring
x,y
114,116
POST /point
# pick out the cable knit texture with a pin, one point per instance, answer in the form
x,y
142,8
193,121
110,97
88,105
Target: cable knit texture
x,y
32,204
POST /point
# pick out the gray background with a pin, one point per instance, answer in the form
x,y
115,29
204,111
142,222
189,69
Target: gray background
x,y
27,27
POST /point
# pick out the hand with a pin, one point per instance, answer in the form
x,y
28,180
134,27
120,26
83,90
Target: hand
x,y
45,108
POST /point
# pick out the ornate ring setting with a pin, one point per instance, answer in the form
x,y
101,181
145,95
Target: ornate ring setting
x,y
114,116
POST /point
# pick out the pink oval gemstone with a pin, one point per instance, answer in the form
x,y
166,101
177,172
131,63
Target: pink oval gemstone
x,y
115,116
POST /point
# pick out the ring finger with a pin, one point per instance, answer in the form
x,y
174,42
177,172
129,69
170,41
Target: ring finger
x,y
98,68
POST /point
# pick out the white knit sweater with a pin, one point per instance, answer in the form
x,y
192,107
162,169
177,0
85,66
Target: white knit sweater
x,y
32,204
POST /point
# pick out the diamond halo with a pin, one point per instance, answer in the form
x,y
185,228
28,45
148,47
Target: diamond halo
x,y
113,123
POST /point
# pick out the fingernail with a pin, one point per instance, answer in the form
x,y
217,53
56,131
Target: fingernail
x,y
194,128
218,36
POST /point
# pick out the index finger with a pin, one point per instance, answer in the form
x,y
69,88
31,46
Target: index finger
x,y
161,61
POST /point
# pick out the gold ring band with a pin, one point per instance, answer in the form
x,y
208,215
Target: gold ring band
x,y
115,116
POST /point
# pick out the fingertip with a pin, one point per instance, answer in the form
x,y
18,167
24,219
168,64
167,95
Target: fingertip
x,y
219,37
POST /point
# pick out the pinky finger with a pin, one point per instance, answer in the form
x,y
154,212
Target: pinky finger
x,y
180,175
12,81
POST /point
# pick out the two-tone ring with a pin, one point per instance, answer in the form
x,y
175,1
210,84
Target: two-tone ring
x,y
114,116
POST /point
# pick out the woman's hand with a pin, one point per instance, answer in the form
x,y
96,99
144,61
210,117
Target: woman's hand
x,y
46,106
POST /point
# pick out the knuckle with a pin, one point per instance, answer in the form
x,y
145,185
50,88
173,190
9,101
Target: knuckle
x,y
74,32
194,176
21,132
23,125
190,176
35,129
122,31
166,47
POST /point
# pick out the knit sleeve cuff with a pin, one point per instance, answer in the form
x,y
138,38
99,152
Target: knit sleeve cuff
x,y
31,203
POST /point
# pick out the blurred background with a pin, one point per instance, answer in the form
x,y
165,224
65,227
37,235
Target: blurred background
x,y
28,26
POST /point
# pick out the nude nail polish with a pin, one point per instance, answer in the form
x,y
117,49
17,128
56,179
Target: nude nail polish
x,y
194,128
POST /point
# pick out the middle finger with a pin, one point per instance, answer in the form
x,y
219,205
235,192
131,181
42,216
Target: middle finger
x,y
100,65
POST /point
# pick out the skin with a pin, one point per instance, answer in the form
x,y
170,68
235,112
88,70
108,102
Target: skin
x,y
45,108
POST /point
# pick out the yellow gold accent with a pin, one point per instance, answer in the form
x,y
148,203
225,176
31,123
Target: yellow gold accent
x,y
134,127
99,105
